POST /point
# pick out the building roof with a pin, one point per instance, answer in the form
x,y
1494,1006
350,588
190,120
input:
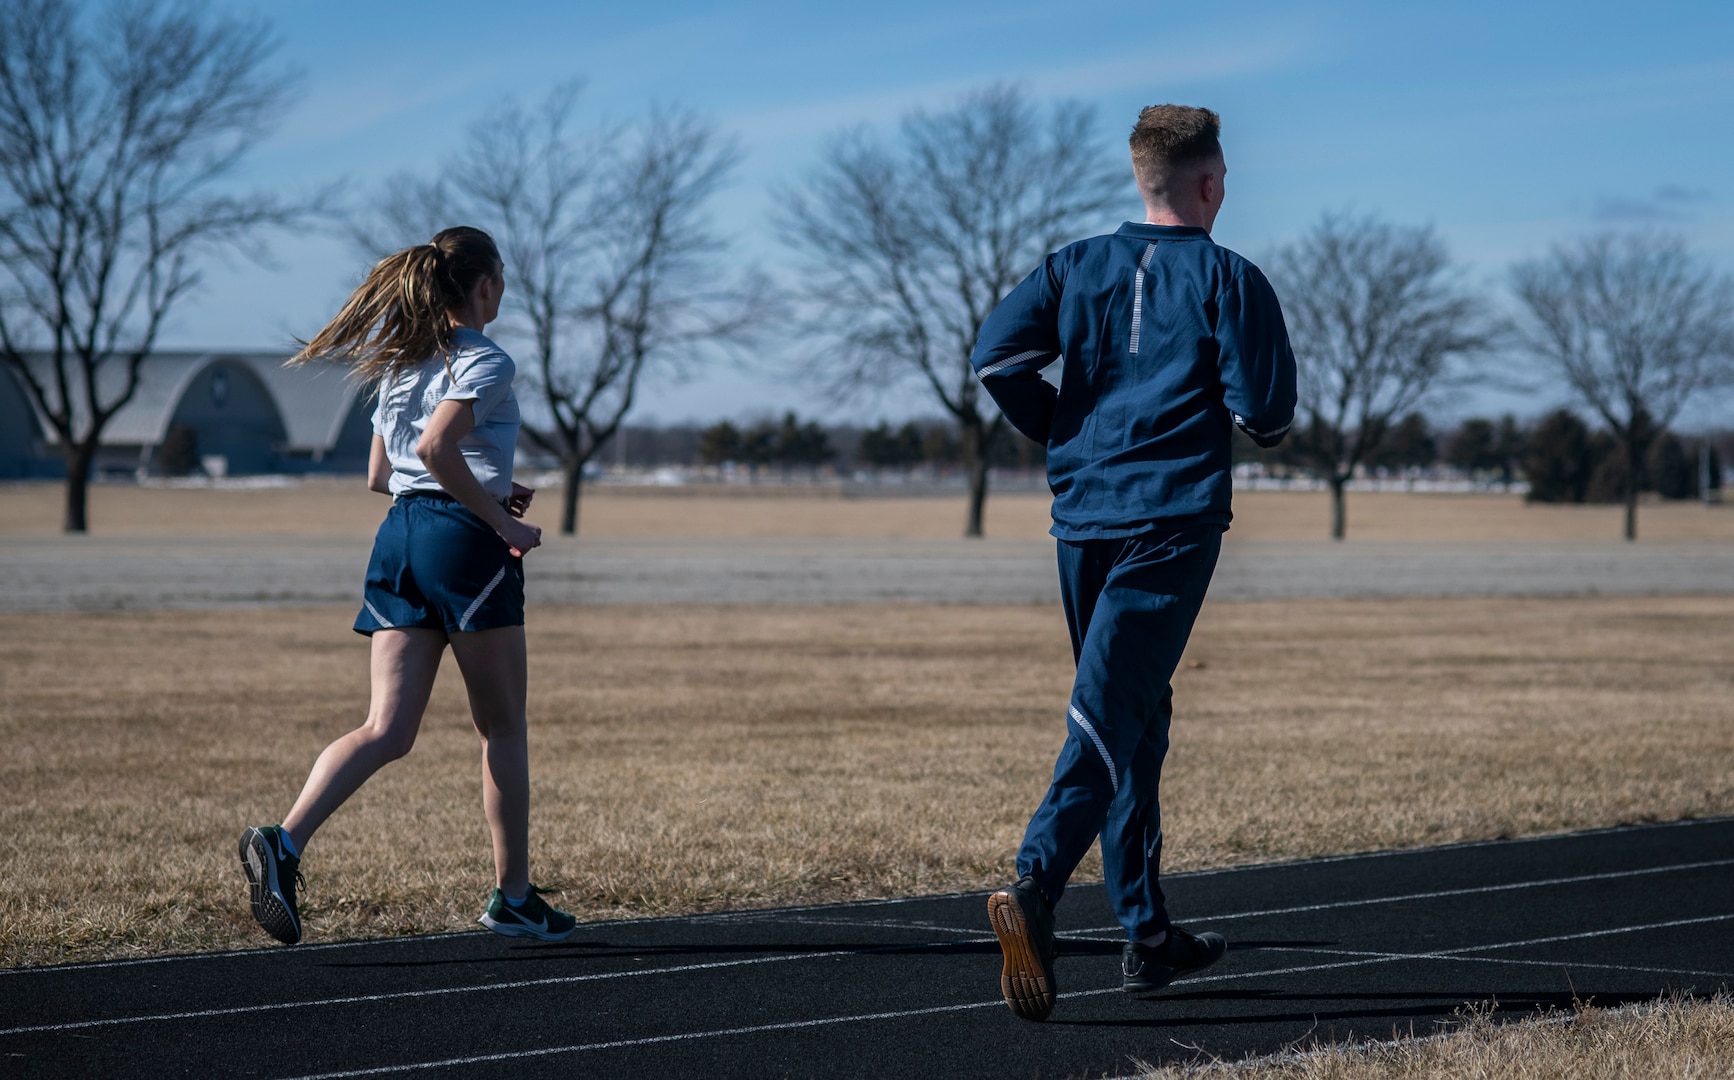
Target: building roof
x,y
312,399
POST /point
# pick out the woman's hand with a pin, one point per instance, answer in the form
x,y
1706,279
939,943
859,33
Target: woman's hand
x,y
438,450
520,500
520,536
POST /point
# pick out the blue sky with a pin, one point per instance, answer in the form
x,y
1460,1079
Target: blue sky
x,y
1508,126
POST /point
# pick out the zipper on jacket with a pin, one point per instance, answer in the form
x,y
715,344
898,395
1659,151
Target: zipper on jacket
x,y
1138,293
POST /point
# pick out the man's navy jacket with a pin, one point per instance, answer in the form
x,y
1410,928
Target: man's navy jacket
x,y
1168,341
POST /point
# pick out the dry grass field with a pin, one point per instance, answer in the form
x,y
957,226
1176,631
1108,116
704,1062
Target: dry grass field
x,y
1682,1039
341,507
694,759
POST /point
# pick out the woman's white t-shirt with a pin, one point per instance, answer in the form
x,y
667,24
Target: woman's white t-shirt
x,y
480,372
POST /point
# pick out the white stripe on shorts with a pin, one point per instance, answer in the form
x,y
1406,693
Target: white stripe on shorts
x,y
377,617
464,623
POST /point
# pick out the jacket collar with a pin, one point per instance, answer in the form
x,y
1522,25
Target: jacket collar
x,y
1138,230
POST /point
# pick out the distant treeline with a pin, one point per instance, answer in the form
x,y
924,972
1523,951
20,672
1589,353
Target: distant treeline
x,y
1562,458
790,442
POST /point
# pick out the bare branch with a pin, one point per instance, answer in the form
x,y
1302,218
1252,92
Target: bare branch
x,y
1377,318
114,132
1635,326
615,269
907,247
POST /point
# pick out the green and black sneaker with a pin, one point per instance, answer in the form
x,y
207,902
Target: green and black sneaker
x,y
535,917
273,874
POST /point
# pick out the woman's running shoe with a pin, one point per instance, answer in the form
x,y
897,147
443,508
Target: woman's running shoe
x,y
273,874
535,917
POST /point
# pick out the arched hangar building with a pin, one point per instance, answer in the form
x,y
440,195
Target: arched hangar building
x,y
220,414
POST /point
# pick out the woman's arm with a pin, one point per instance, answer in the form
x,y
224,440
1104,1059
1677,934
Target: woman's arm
x,y
378,468
438,450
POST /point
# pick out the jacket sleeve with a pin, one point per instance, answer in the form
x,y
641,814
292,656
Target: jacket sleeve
x,y
1017,341
1257,364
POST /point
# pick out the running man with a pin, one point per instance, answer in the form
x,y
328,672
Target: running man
x,y
1169,343
447,565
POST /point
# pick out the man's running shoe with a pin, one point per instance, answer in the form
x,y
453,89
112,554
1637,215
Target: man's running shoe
x,y
1147,969
1024,923
273,874
535,917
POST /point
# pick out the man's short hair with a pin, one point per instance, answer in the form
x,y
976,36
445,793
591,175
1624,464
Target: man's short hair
x,y
1168,138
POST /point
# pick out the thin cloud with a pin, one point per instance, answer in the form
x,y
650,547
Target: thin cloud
x,y
1125,72
345,107
1675,193
1669,202
1138,71
1638,91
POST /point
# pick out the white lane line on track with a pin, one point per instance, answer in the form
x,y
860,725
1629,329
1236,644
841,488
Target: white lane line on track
x,y
1464,951
730,916
1506,960
651,1040
1085,935
793,1025
1466,845
61,969
1439,894
399,995
887,924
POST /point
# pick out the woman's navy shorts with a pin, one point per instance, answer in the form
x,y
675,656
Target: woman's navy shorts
x,y
436,565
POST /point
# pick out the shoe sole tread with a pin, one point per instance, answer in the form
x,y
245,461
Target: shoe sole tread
x,y
1027,983
270,908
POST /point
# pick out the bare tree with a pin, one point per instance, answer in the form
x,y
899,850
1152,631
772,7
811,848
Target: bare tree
x,y
115,135
908,247
614,265
1377,318
1635,326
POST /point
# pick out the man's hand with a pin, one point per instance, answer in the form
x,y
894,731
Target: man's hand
x,y
520,536
520,500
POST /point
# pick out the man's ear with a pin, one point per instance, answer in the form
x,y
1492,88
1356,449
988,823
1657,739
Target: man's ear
x,y
1210,186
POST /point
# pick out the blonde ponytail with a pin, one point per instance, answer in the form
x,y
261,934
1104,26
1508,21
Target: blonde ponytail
x,y
397,318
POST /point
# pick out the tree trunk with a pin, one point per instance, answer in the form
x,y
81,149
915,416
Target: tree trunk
x,y
78,462
573,474
975,461
1339,509
1634,475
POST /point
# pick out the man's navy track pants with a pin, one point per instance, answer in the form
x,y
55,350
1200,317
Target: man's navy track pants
x,y
1130,605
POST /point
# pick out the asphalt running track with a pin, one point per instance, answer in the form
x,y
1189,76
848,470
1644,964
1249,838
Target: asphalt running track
x,y
1351,948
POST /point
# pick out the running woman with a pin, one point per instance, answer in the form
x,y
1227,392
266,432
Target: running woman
x,y
447,565
1170,342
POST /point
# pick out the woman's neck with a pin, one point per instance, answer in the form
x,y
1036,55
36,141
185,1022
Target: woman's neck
x,y
470,319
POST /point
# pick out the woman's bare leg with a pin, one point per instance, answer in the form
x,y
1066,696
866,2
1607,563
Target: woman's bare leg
x,y
404,664
495,674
